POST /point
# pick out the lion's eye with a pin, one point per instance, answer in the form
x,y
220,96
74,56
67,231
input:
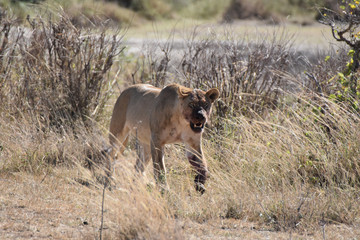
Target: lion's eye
x,y
191,105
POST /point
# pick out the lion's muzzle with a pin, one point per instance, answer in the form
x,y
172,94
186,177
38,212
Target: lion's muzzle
x,y
198,121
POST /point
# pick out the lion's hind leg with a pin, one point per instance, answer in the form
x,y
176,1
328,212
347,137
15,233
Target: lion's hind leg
x,y
143,158
119,140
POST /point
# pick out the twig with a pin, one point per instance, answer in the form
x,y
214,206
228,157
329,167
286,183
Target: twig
x,y
42,180
322,224
102,210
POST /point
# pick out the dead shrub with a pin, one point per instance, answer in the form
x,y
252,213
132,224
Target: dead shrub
x,y
54,72
247,74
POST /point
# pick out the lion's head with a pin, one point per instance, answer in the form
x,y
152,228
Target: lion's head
x,y
196,106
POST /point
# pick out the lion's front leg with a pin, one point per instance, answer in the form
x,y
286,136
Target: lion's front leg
x,y
157,153
197,160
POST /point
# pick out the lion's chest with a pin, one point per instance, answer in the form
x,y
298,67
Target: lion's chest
x,y
173,133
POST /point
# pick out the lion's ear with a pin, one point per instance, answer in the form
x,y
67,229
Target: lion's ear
x,y
213,94
183,91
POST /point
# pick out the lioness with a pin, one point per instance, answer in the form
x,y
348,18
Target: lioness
x,y
162,116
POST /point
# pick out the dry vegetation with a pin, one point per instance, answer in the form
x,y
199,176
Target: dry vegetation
x,y
136,12
298,11
283,157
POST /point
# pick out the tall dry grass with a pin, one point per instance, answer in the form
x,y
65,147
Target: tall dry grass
x,y
286,171
280,151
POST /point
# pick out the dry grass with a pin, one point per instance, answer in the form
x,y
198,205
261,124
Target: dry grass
x,y
269,180
49,184
288,172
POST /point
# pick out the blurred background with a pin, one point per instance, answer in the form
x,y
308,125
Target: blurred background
x,y
137,11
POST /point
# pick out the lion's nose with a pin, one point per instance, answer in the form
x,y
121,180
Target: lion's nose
x,y
200,116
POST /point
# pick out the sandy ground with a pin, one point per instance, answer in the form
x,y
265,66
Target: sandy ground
x,y
58,208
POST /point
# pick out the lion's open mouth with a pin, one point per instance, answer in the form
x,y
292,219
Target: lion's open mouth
x,y
197,127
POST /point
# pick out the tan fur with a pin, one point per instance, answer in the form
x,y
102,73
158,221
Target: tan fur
x,y
163,116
